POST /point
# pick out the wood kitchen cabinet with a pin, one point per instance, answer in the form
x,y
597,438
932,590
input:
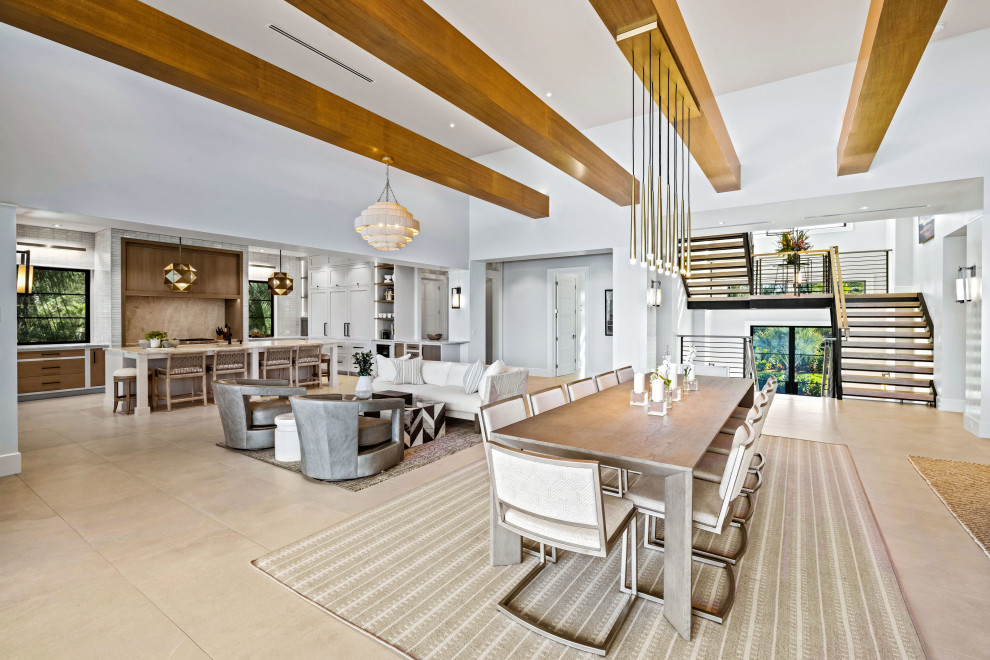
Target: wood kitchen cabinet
x,y
97,367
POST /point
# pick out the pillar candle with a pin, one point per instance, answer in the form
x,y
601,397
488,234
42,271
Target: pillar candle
x,y
639,383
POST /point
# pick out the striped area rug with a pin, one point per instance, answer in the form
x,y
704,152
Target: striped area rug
x,y
816,580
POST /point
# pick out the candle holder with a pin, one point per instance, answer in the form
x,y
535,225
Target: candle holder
x,y
691,385
638,398
674,395
658,408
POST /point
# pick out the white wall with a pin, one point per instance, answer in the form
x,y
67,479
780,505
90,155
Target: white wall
x,y
526,325
976,418
10,458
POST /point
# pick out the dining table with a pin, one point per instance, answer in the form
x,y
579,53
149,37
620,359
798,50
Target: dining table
x,y
145,359
607,428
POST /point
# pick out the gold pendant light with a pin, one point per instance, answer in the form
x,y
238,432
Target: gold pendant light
x,y
179,276
280,284
386,224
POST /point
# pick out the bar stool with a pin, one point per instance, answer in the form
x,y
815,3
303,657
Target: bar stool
x,y
308,357
330,361
181,366
277,358
126,377
229,363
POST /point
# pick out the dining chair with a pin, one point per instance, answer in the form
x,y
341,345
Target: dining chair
x,y
187,365
228,363
547,399
624,374
606,380
581,388
308,356
277,358
719,370
741,411
573,516
495,415
712,512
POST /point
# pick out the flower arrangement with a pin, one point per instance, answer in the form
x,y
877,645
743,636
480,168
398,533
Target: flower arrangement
x,y
795,240
363,362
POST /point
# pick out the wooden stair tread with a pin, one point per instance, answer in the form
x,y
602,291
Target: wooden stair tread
x,y
703,272
702,244
857,313
704,291
883,296
890,368
895,334
858,303
889,394
892,345
860,323
695,283
881,380
897,357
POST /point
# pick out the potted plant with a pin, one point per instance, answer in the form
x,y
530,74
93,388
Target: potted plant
x,y
155,338
363,362
792,241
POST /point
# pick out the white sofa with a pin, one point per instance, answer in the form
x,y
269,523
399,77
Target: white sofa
x,y
444,382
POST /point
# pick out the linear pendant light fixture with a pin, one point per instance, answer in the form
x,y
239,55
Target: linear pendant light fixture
x,y
662,240
386,224
279,283
179,276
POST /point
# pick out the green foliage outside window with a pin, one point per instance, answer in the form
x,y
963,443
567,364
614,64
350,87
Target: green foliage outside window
x,y
261,309
772,348
57,311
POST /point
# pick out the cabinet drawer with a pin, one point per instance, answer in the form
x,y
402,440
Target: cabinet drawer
x,y
35,355
49,383
51,367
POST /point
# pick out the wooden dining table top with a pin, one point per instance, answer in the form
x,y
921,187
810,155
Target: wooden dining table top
x,y
605,426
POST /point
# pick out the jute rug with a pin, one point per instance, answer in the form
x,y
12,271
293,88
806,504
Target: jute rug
x,y
964,488
460,435
815,582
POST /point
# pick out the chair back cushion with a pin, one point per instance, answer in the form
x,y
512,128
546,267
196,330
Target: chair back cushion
x,y
711,370
472,377
581,388
548,399
230,360
435,373
624,374
735,469
186,363
308,353
408,372
278,355
500,414
606,380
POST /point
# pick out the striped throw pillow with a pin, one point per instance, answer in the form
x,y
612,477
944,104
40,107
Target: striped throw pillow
x,y
408,372
472,377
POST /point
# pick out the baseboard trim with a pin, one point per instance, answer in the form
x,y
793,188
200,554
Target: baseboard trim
x,y
951,405
10,464
972,424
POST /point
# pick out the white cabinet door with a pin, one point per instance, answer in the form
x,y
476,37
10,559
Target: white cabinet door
x,y
338,276
360,313
319,315
360,275
357,348
319,278
338,313
345,359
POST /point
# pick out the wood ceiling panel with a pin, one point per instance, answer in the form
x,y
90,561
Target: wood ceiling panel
x,y
710,143
414,39
138,37
897,33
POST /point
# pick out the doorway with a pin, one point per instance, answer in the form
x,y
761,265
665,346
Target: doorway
x,y
794,354
565,324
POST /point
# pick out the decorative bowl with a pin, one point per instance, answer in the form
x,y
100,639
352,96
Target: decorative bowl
x,y
144,343
434,337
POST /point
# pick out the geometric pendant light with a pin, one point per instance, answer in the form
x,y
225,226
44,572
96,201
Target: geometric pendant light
x,y
280,284
179,276
386,224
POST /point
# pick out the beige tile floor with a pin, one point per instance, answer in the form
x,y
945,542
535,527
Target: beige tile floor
x,y
131,537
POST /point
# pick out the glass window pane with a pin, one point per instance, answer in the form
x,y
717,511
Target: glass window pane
x,y
771,346
57,311
261,310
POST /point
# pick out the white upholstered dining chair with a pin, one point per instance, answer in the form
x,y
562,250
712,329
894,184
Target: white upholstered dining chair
x,y
581,388
573,516
719,370
547,399
494,416
624,374
606,380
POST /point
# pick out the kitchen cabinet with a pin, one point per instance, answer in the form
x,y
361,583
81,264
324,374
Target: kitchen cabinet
x,y
345,356
339,313
319,278
353,275
319,314
360,321
60,369
97,367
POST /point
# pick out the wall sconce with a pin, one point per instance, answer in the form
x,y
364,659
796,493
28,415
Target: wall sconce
x,y
456,298
654,295
964,286
25,272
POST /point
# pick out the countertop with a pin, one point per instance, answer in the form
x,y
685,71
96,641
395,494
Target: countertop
x,y
192,348
352,340
57,347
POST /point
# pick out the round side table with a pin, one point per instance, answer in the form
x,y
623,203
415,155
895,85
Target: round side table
x,y
286,439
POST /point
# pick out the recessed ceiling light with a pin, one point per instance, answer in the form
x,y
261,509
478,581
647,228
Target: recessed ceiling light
x,y
549,94
721,222
56,225
939,26
864,208
451,124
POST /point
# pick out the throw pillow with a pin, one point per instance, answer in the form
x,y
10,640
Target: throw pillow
x,y
472,377
494,368
435,373
386,370
408,372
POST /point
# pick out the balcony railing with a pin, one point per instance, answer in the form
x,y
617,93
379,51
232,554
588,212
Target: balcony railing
x,y
792,273
734,352
866,271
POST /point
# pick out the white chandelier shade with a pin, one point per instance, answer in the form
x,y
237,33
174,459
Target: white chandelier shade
x,y
387,225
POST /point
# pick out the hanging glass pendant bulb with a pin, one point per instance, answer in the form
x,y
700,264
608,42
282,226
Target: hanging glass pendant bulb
x,y
179,276
279,283
386,224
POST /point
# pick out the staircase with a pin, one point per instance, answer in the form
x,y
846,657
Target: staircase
x,y
720,268
888,353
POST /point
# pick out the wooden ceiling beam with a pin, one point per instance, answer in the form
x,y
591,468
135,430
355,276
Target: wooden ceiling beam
x,y
897,33
710,143
411,37
143,39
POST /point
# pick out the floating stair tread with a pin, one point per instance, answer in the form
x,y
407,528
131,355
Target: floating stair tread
x,y
859,313
860,323
696,283
896,357
881,380
892,345
703,290
888,368
718,242
858,303
704,272
889,394
894,334
883,297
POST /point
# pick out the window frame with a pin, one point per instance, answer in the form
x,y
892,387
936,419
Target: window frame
x,y
249,299
86,295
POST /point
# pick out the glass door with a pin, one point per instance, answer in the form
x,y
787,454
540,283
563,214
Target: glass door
x,y
794,354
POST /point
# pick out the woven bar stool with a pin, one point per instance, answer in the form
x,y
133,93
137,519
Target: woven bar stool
x,y
229,363
125,377
277,358
181,366
308,357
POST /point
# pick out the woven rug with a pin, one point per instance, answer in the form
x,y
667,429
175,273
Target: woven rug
x,y
816,580
460,435
964,488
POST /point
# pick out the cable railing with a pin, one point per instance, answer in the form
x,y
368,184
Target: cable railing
x,y
732,351
792,273
866,271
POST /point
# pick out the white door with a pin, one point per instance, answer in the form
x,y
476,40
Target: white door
x,y
319,315
360,313
338,313
565,312
432,321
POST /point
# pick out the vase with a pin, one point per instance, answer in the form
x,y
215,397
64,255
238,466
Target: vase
x,y
156,343
363,388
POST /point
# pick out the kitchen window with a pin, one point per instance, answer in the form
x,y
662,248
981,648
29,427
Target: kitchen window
x,y
261,309
57,310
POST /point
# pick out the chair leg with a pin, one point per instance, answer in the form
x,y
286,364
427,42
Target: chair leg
x,y
656,543
205,401
168,393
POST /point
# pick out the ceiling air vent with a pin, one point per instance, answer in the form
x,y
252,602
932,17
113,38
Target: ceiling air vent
x,y
320,53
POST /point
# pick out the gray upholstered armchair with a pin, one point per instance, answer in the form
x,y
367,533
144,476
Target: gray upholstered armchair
x,y
250,424
336,442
